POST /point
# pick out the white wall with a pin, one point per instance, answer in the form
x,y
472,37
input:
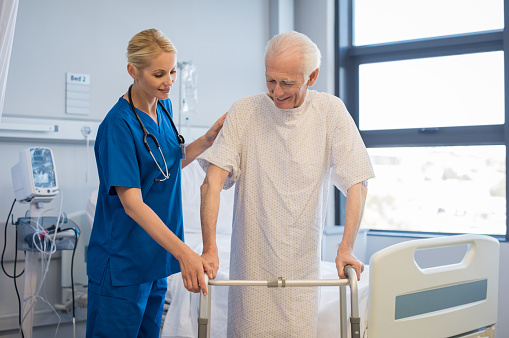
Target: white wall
x,y
224,38
316,20
503,292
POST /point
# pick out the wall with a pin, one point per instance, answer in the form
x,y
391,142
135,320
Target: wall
x,y
316,20
224,38
503,292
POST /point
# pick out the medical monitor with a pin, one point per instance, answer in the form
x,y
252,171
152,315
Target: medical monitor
x,y
34,176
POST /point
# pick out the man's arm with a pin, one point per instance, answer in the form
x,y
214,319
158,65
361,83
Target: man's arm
x,y
209,209
355,200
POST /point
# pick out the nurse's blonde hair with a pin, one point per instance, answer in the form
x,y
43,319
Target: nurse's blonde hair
x,y
298,44
147,45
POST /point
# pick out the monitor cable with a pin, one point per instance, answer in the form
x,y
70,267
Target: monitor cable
x,y
14,276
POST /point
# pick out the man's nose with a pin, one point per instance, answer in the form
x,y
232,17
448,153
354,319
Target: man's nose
x,y
278,90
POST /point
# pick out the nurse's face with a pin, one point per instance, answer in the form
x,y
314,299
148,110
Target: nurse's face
x,y
156,80
286,83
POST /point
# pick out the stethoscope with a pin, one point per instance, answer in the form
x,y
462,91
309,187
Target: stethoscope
x,y
146,134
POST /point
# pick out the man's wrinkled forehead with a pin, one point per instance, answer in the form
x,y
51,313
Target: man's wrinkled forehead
x,y
283,68
288,79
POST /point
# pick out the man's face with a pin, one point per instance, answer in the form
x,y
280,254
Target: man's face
x,y
286,84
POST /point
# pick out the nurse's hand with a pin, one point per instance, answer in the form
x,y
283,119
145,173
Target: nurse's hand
x,y
211,134
192,267
345,257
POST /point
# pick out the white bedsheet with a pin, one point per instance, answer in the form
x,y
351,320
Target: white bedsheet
x,y
182,317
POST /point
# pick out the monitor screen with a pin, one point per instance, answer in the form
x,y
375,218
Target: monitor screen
x,y
42,168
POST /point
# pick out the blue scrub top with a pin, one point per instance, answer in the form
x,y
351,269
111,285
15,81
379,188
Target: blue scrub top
x,y
122,160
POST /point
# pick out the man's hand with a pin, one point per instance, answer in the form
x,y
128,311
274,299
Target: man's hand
x,y
212,259
192,267
345,257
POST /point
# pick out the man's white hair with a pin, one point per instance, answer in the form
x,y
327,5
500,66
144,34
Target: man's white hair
x,y
298,44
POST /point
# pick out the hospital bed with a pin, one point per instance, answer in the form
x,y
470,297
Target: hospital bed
x,y
396,297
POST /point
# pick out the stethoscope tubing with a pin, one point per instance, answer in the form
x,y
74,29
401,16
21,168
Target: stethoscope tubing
x,y
146,134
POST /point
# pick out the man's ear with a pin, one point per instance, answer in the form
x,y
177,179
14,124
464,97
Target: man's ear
x,y
313,77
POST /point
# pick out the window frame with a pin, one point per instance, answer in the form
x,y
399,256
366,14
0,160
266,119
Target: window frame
x,y
348,59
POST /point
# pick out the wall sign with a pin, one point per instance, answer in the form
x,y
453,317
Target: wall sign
x,y
77,94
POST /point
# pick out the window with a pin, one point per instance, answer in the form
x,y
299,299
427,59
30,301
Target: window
x,y
438,189
385,21
432,92
429,100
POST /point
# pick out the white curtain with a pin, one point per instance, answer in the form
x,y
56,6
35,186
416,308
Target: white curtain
x,y
8,11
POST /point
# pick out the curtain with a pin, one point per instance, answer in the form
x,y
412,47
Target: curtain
x,y
8,11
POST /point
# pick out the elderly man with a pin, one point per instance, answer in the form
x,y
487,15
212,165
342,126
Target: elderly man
x,y
282,148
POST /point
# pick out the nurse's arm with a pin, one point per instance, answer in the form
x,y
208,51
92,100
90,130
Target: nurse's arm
x,y
191,264
355,200
196,148
209,209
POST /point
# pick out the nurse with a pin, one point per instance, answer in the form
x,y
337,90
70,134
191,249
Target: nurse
x,y
137,237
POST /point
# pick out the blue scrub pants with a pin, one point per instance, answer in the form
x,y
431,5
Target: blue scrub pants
x,y
125,311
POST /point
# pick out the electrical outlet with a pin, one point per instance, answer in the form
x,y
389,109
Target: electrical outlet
x,y
86,130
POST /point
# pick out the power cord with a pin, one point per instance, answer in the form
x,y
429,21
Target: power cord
x,y
72,281
14,276
73,292
73,301
46,248
5,245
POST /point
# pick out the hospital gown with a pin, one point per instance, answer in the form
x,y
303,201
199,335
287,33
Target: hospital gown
x,y
281,161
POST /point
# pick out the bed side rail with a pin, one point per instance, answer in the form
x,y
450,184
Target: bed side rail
x,y
205,301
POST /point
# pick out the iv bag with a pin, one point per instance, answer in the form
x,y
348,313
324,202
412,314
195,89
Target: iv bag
x,y
189,89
